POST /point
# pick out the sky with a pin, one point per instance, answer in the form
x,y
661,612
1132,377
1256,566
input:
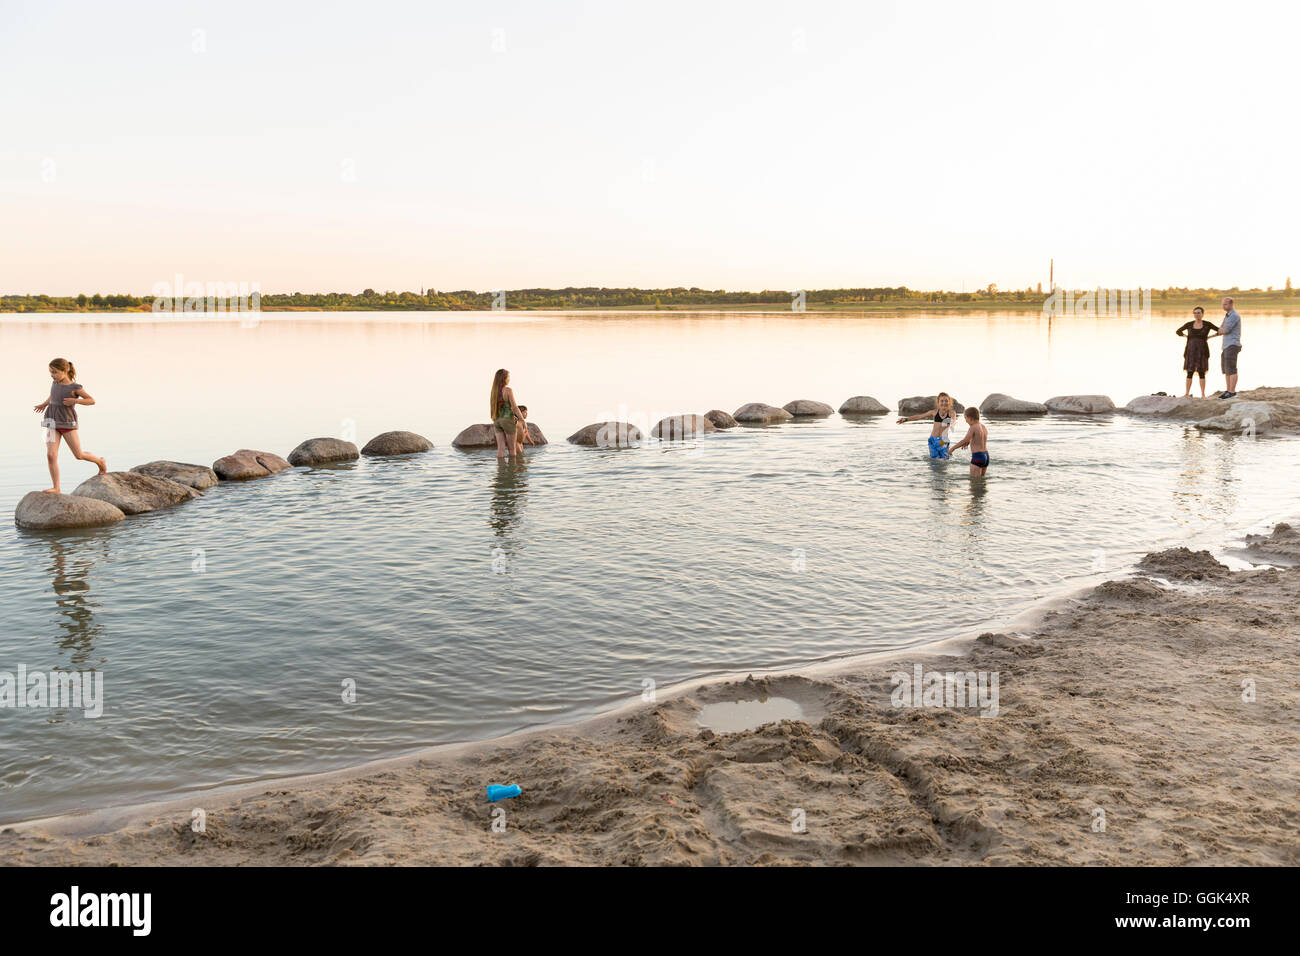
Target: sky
x,y
739,145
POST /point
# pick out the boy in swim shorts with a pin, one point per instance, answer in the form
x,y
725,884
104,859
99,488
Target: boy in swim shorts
x,y
977,437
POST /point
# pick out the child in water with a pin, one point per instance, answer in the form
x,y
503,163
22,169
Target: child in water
x,y
977,437
60,421
942,413
521,432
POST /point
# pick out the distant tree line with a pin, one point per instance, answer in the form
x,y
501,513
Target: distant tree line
x,y
589,297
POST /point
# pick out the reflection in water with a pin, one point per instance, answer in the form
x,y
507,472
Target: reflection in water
x,y
971,523
979,487
69,567
938,515
508,491
1204,493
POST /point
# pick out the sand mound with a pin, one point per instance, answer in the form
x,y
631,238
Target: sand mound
x,y
1284,541
1135,591
1180,564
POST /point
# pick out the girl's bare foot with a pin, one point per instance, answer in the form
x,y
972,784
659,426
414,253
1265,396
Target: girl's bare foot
x,y
103,466
52,491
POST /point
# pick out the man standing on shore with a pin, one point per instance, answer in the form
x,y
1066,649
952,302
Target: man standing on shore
x,y
1231,332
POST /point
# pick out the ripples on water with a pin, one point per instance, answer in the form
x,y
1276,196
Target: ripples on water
x,y
468,598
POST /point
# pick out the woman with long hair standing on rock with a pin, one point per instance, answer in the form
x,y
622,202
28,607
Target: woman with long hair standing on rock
x,y
505,414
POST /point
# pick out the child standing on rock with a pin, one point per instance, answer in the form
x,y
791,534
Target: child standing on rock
x,y
60,420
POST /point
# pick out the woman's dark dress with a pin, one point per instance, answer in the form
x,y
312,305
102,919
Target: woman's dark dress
x,y
1196,356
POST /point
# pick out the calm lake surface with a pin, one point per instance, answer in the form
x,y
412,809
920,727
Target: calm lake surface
x,y
468,599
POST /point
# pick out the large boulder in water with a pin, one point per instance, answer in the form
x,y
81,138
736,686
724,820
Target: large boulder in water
x,y
134,493
396,443
756,413
246,464
807,408
484,436
1080,404
198,477
323,451
999,404
606,435
679,427
923,403
1244,417
720,418
863,405
1174,406
39,511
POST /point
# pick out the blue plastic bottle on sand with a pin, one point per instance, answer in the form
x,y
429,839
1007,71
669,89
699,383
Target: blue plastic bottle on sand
x,y
496,791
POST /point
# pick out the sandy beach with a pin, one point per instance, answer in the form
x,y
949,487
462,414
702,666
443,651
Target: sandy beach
x,y
1149,721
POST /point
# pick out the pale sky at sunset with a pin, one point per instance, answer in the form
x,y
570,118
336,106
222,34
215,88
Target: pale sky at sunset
x,y
743,145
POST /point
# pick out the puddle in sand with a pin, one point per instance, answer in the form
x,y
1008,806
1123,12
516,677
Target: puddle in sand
x,y
732,716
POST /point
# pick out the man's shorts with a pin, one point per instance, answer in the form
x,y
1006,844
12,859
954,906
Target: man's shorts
x,y
1228,359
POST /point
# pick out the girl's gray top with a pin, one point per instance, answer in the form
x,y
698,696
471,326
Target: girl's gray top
x,y
58,415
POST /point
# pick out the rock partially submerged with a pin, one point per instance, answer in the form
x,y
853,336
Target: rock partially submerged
x,y
1080,404
1174,406
396,443
1182,564
679,427
1245,417
807,408
198,477
756,413
720,418
922,403
606,435
133,493
247,464
323,451
1000,404
484,436
38,511
1284,541
862,405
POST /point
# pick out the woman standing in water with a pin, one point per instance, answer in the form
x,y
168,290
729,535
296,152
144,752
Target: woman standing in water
x,y
1196,355
505,414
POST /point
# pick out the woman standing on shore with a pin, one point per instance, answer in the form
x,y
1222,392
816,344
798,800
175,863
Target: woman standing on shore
x,y
1196,354
505,414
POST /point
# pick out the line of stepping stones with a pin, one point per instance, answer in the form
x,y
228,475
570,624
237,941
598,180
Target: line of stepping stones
x,y
110,497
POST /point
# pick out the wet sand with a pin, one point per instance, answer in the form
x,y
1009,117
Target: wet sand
x,y
1121,738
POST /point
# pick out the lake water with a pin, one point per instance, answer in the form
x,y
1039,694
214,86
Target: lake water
x,y
466,599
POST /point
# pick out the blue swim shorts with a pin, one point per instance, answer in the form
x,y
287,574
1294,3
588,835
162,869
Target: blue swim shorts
x,y
938,447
